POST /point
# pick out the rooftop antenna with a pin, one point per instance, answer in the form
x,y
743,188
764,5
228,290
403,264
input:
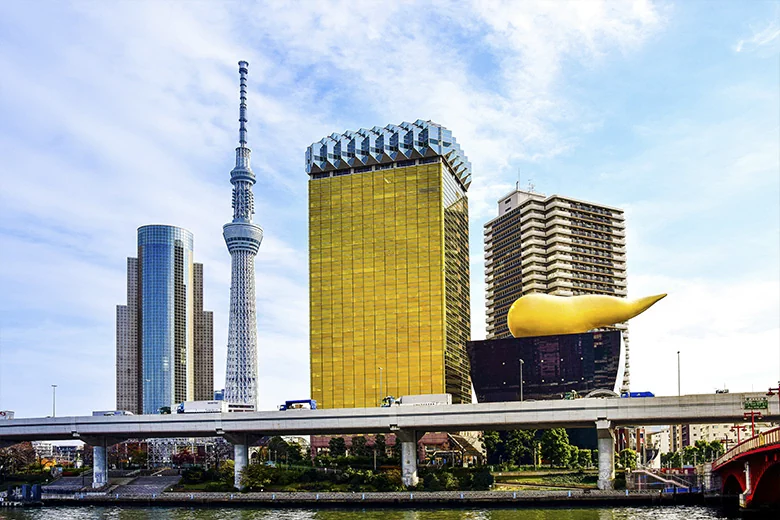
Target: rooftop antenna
x,y
531,186
517,184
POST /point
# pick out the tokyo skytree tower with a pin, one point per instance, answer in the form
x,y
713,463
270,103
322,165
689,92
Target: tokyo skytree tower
x,y
243,239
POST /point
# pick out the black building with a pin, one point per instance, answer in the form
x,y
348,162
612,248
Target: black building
x,y
552,365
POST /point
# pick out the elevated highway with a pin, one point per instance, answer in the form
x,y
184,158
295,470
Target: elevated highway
x,y
407,422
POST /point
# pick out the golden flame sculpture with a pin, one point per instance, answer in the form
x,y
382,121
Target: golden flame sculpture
x,y
538,314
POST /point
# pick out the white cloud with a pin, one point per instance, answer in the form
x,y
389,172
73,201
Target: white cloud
x,y
768,37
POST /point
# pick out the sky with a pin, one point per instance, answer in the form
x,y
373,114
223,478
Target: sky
x,y
116,115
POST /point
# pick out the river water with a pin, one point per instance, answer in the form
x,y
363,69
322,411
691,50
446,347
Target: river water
x,y
183,513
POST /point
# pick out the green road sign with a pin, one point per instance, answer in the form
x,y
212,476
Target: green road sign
x,y
756,403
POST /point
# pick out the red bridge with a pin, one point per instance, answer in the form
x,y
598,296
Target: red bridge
x,y
751,470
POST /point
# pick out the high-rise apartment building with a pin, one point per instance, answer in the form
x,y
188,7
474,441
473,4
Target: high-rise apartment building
x,y
243,238
164,337
554,245
389,265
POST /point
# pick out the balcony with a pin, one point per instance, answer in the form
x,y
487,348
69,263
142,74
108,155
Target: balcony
x,y
532,223
559,239
559,282
560,255
535,258
558,203
559,247
558,221
562,292
535,285
534,277
531,250
558,265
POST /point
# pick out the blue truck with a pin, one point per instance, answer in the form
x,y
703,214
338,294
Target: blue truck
x,y
637,394
309,404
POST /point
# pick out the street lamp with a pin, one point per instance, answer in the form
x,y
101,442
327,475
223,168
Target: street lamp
x,y
521,379
738,428
54,400
753,416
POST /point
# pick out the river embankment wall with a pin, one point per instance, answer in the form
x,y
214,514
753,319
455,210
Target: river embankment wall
x,y
574,498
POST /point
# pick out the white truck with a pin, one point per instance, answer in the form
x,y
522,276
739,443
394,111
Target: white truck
x,y
418,400
109,413
203,407
6,414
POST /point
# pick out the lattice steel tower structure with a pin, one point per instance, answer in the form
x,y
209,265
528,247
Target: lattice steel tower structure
x,y
243,238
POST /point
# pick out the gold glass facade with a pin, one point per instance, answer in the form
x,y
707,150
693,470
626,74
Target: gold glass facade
x,y
389,285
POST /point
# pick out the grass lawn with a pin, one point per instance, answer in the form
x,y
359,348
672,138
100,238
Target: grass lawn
x,y
546,480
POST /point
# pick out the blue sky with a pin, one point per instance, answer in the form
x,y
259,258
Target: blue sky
x,y
117,115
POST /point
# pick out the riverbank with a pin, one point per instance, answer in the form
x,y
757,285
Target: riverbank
x,y
573,498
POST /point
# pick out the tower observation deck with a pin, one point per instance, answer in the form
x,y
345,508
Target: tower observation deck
x,y
243,238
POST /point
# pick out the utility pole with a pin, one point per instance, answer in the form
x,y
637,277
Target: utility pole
x,y
54,400
521,380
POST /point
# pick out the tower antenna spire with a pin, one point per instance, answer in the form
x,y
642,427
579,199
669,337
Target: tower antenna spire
x,y
243,69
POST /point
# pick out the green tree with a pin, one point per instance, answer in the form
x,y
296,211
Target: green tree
x,y
483,479
255,477
380,444
584,457
671,460
627,458
690,455
360,447
518,446
494,447
574,456
555,446
715,450
337,447
594,458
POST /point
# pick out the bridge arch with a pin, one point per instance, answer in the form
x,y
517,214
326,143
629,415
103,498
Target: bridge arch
x,y
732,486
767,489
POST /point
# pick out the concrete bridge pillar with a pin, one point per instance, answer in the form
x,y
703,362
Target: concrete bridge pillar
x,y
99,465
408,440
241,459
606,444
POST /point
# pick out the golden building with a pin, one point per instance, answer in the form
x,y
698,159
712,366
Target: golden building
x,y
389,265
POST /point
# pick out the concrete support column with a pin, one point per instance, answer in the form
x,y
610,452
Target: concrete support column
x,y
408,440
241,458
99,465
606,444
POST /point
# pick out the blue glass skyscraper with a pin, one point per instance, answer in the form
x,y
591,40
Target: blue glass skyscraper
x,y
164,338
